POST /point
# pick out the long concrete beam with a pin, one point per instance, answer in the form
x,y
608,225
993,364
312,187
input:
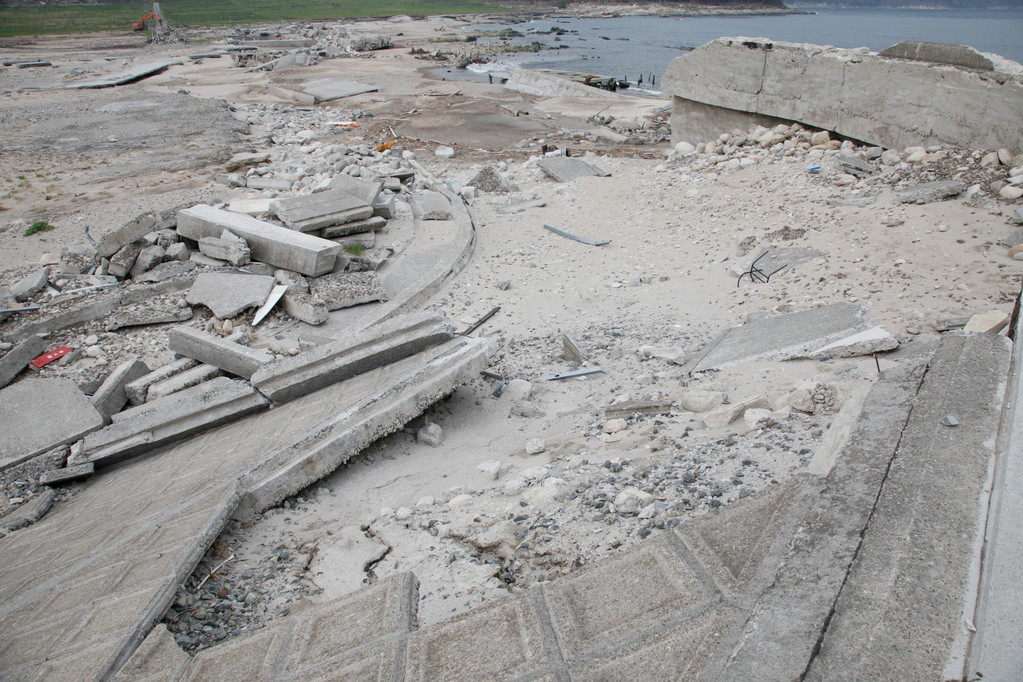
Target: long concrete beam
x,y
290,378
268,243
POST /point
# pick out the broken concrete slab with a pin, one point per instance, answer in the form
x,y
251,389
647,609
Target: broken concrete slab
x,y
110,397
141,293
30,284
17,358
41,414
374,224
250,207
363,189
257,182
328,89
86,312
385,206
854,165
568,168
785,337
245,159
126,234
489,180
931,191
179,382
158,312
990,322
213,350
431,206
305,307
402,391
866,342
269,243
166,271
135,73
229,293
347,289
217,402
233,251
149,257
67,474
630,408
28,513
310,212
729,413
138,389
123,261
290,378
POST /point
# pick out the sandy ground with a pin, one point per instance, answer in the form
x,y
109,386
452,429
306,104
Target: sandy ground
x,y
681,229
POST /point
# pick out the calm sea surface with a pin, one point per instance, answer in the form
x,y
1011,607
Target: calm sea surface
x,y
627,47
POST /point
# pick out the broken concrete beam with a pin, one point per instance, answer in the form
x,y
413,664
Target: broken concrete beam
x,y
245,159
233,252
30,284
568,168
373,224
402,392
313,211
432,206
41,414
166,271
328,89
362,189
290,378
179,382
86,312
138,389
229,293
67,474
137,294
633,407
30,512
292,280
987,323
270,244
257,182
160,312
866,342
854,165
110,397
123,261
305,307
347,289
17,358
931,191
148,258
218,402
384,206
126,234
213,350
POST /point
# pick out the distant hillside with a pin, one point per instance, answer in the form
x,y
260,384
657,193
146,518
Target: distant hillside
x,y
911,4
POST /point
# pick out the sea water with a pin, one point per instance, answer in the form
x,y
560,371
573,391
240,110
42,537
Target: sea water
x,y
640,47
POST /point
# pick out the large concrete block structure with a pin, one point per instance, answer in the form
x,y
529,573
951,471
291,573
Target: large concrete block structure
x,y
922,94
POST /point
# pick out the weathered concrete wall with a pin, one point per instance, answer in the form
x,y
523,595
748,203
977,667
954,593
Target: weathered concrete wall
x,y
737,82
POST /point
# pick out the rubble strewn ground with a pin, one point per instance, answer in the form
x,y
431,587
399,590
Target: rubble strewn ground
x,y
502,492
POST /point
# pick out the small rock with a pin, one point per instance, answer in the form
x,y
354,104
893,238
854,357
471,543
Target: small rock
x,y
949,420
430,434
518,389
493,468
615,425
1011,192
444,152
632,500
534,446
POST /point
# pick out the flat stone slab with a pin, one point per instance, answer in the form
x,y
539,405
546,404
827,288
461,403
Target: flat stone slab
x,y
785,337
229,293
432,206
362,189
67,474
567,168
41,414
270,244
158,312
131,75
327,89
347,289
310,212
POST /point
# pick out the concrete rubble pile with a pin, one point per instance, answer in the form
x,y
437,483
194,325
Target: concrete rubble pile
x,y
301,45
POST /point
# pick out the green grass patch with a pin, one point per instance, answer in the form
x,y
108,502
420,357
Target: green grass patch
x,y
59,19
38,226
356,249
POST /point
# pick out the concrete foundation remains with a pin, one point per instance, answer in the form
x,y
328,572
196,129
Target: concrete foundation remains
x,y
892,101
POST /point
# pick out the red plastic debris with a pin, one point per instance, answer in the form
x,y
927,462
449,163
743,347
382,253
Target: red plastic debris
x,y
47,358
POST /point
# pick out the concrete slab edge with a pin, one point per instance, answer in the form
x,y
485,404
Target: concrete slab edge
x,y
295,466
165,597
